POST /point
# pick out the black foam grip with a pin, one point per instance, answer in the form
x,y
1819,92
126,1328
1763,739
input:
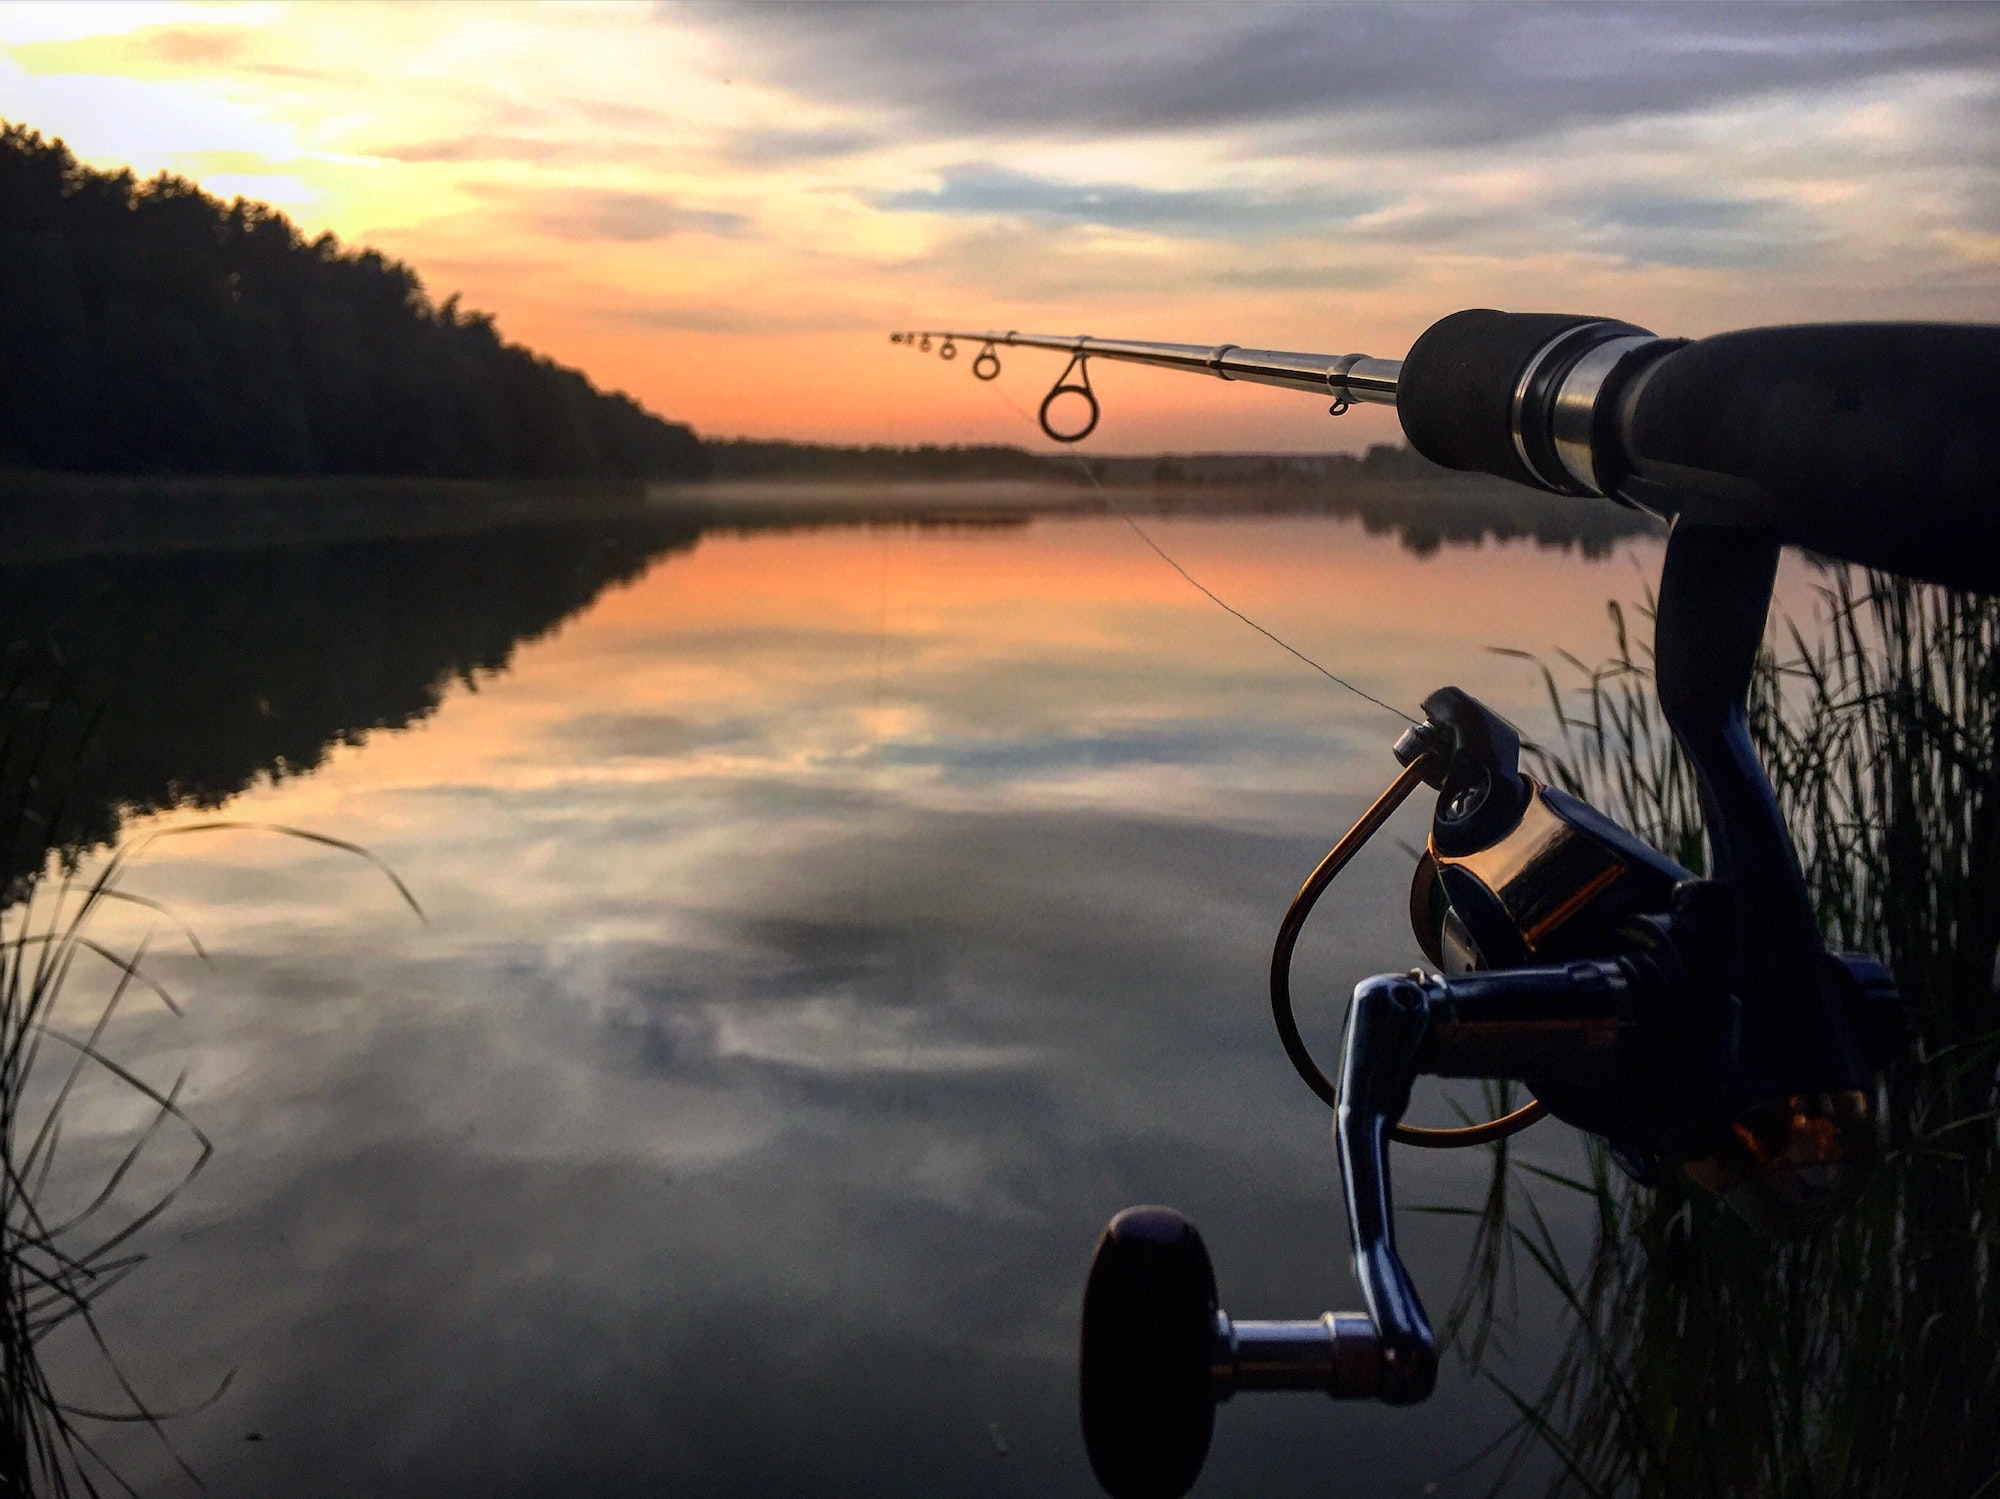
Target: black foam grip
x,y
1455,395
1878,443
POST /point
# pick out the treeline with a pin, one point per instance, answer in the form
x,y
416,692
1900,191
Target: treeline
x,y
147,327
749,458
1382,463
752,458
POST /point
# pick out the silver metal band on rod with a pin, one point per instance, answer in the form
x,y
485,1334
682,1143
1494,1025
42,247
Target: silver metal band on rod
x,y
1353,377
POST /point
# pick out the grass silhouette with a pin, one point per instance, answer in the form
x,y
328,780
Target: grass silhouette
x,y
1701,1357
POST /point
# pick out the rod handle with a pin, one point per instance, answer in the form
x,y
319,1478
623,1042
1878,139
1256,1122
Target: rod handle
x,y
1456,394
1877,443
1872,443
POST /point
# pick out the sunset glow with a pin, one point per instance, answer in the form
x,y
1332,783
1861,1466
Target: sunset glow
x,y
724,211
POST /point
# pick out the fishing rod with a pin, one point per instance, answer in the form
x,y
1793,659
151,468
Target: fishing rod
x,y
1347,377
1694,1024
1874,443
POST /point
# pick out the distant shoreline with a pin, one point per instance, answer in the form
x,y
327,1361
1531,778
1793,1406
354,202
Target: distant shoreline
x,y
45,517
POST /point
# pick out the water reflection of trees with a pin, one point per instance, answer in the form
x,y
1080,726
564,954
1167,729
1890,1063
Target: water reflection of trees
x,y
1705,1359
130,684
133,684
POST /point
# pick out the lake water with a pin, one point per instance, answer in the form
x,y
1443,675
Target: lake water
x,y
825,932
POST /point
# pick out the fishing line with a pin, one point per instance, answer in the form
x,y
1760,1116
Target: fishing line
x,y
874,742
1202,588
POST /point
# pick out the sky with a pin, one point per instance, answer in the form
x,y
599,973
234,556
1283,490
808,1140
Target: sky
x,y
725,210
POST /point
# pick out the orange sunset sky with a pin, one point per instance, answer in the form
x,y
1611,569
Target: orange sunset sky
x,y
724,210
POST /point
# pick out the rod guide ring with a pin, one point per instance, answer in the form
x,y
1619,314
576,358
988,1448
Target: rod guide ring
x,y
1080,363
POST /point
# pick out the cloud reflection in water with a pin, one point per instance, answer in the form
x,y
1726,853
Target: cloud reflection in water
x,y
829,931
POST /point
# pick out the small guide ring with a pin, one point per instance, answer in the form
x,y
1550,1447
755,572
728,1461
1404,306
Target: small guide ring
x,y
947,350
986,366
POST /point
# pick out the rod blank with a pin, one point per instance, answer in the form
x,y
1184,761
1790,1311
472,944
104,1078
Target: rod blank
x,y
1348,377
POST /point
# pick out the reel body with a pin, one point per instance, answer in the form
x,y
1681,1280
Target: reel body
x,y
1693,1024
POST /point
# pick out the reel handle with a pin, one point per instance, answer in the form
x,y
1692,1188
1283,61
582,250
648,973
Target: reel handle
x,y
1386,1027
1158,1355
1147,1361
1158,1352
1553,1024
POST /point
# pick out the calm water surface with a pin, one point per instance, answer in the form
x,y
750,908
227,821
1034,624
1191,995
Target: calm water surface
x,y
827,931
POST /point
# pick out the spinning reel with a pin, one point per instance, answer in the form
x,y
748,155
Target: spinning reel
x,y
1696,1025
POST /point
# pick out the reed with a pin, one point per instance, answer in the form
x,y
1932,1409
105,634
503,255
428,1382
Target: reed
x,y
57,1266
1702,1358
72,1221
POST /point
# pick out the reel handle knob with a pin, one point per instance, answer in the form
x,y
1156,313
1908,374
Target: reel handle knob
x,y
1147,1366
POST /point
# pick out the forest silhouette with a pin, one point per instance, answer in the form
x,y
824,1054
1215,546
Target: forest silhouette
x,y
148,327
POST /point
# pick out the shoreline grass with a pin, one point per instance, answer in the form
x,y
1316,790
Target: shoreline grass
x,y
1702,1358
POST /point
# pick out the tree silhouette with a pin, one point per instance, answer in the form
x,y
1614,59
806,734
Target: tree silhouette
x,y
151,328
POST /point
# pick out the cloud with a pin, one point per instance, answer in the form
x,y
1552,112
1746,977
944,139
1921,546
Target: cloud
x,y
712,317
1290,275
1638,223
1410,76
612,735
585,213
585,150
478,147
1699,232
196,46
774,146
982,190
